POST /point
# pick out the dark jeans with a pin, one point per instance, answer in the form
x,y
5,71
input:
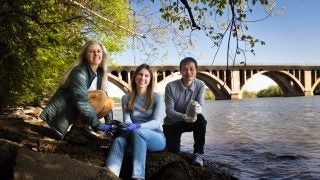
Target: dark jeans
x,y
173,134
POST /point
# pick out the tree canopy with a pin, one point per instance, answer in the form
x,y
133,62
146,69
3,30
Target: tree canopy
x,y
39,39
222,21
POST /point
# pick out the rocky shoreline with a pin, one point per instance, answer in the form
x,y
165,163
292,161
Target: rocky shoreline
x,y
30,151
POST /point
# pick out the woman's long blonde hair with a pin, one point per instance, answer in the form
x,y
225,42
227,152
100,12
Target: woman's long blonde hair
x,y
149,95
82,58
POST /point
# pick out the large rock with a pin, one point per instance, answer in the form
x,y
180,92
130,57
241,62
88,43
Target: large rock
x,y
39,166
29,150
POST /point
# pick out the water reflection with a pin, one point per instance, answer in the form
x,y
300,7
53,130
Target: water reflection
x,y
264,138
271,138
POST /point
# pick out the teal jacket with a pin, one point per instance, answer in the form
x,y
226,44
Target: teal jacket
x,y
71,100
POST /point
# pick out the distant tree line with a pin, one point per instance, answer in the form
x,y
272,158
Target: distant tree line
x,y
271,91
317,90
249,94
208,95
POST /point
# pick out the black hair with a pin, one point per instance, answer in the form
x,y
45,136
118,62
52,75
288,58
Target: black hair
x,y
187,60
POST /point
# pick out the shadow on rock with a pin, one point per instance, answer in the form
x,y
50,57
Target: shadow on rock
x,y
29,149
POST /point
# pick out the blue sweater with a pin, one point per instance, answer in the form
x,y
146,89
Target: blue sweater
x,y
149,119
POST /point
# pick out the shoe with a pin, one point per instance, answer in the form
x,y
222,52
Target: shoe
x,y
198,159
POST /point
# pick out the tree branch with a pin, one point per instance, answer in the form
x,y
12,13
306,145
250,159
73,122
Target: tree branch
x,y
193,23
106,19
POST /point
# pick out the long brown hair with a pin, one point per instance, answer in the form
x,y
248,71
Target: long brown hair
x,y
149,95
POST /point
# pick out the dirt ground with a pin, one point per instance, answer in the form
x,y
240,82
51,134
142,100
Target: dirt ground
x,y
30,150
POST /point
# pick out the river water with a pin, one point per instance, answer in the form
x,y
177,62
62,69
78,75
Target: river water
x,y
263,138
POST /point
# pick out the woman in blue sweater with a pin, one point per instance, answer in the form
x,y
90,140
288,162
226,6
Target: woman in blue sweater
x,y
142,113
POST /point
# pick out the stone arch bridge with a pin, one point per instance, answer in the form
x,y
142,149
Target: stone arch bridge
x,y
230,83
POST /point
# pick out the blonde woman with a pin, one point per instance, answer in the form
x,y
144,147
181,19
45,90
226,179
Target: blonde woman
x,y
82,97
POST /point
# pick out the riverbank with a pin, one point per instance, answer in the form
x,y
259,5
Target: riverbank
x,y
30,151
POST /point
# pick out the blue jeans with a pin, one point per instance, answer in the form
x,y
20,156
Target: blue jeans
x,y
139,141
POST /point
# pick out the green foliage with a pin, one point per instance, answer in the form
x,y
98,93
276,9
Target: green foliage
x,y
39,40
271,91
218,19
208,94
180,23
248,94
317,90
116,99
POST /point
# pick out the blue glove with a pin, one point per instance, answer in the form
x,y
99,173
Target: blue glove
x,y
105,127
130,127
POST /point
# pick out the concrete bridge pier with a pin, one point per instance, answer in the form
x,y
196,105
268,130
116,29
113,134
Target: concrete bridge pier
x,y
235,96
307,83
235,85
308,93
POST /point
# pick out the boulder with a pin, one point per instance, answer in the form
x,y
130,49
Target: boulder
x,y
30,150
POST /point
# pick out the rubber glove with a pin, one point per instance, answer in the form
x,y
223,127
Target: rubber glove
x,y
130,127
191,109
198,109
105,127
189,119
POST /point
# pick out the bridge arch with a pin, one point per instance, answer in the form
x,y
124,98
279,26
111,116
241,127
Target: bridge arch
x,y
169,76
216,85
124,86
288,83
294,80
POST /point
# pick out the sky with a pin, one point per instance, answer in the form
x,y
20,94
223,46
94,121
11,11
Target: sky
x,y
291,38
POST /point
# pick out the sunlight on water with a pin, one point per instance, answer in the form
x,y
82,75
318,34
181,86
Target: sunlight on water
x,y
264,138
